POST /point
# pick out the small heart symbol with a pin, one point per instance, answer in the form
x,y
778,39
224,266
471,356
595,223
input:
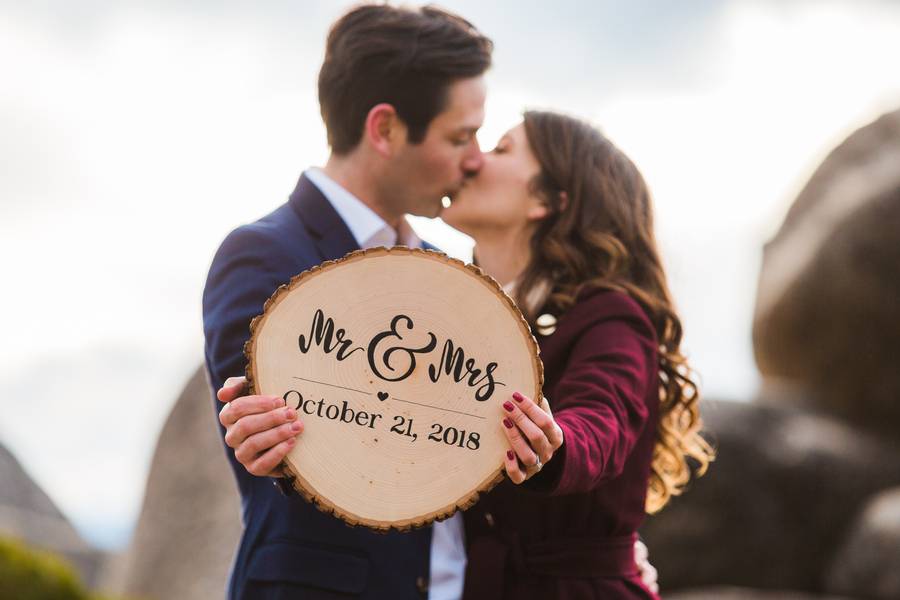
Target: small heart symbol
x,y
382,396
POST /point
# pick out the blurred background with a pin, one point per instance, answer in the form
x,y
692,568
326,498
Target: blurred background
x,y
134,135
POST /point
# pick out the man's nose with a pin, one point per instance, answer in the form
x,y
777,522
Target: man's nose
x,y
474,159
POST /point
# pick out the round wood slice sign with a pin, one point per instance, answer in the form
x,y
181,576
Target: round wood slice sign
x,y
398,362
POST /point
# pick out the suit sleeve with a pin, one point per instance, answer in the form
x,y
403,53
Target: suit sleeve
x,y
600,404
239,283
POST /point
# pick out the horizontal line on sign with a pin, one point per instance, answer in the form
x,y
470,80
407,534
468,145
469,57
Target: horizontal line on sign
x,y
459,412
450,410
333,385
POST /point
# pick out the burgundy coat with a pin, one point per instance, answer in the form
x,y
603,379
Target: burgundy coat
x,y
569,531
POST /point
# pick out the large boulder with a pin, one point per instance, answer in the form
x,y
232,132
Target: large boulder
x,y
779,507
828,301
189,523
776,505
869,562
28,514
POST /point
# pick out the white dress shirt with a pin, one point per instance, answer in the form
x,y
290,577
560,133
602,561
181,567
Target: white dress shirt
x,y
448,550
368,229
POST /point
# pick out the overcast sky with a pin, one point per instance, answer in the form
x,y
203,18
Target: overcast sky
x,y
134,135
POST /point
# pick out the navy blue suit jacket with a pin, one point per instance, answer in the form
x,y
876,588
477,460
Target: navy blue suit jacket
x,y
289,549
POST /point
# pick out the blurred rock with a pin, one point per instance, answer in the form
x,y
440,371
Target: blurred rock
x,y
731,593
782,506
869,563
828,302
28,514
776,505
190,520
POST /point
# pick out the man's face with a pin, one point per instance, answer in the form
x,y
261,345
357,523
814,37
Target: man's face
x,y
420,175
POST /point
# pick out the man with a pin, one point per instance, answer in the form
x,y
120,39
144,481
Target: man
x,y
402,96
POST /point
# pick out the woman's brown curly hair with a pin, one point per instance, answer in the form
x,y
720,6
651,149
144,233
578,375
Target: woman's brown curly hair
x,y
599,233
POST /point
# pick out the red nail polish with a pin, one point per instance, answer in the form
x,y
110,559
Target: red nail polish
x,y
508,406
518,397
510,455
507,423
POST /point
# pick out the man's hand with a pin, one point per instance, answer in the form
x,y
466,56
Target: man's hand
x,y
260,429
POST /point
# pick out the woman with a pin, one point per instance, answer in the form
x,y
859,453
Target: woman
x,y
563,220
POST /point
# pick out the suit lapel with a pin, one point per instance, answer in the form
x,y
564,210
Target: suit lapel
x,y
330,234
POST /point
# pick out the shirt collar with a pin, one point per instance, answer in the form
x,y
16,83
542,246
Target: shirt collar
x,y
368,229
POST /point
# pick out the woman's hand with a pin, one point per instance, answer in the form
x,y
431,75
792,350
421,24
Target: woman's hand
x,y
533,436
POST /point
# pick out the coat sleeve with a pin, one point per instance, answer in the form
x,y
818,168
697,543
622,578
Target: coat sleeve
x,y
240,281
600,402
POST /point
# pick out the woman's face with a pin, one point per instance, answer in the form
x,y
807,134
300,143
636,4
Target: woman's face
x,y
498,200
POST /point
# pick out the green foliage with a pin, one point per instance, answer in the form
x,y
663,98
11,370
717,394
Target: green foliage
x,y
29,574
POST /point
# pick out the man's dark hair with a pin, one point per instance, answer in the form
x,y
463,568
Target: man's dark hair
x,y
405,57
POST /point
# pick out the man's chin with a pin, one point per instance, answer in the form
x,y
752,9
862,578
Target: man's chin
x,y
428,211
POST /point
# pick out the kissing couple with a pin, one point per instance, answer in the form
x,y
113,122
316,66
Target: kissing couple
x,y
563,220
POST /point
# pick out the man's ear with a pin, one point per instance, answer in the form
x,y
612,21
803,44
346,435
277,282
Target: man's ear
x,y
383,129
